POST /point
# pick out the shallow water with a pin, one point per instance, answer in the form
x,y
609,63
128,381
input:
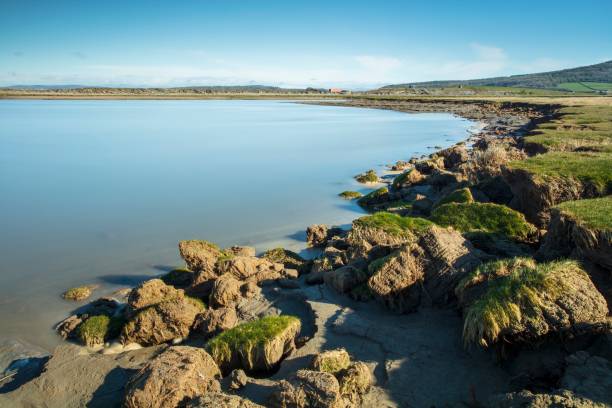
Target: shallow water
x,y
100,192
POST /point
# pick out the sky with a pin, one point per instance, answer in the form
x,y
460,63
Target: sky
x,y
350,44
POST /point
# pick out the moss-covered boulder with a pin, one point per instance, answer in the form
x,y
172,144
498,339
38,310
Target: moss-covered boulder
x,y
162,322
485,217
288,258
369,176
387,229
355,381
463,195
78,293
151,292
350,195
255,346
98,329
331,361
375,197
407,179
175,376
516,300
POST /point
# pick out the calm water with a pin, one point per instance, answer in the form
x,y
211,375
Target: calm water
x,y
101,191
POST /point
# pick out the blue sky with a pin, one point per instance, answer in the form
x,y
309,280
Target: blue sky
x,y
354,44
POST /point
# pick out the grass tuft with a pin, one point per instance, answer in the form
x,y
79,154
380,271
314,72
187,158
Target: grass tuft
x,y
516,289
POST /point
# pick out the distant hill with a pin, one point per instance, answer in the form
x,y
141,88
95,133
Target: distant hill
x,y
598,73
87,89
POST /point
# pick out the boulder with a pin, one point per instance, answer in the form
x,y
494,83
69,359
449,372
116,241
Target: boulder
x,y
251,268
250,290
202,284
317,235
221,400
430,267
345,278
162,322
238,379
150,293
355,381
331,361
199,255
516,300
180,278
211,322
225,291
407,179
288,258
557,399
240,251
180,373
396,279
588,376
258,345
454,156
308,389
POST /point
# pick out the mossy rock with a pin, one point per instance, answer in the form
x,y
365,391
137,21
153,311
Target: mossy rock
x,y
78,293
97,329
331,361
374,197
485,217
350,195
180,278
369,176
288,258
520,300
255,346
463,195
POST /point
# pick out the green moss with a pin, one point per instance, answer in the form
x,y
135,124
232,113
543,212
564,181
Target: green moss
x,y
199,303
373,196
463,195
77,293
350,195
245,336
179,278
288,258
594,213
369,176
97,329
515,291
486,217
393,224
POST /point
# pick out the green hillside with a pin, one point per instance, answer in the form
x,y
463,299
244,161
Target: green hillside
x,y
591,78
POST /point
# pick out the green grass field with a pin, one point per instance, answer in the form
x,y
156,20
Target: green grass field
x,y
594,213
585,86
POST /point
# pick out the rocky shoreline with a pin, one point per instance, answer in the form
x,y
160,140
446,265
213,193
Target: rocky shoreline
x,y
433,300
